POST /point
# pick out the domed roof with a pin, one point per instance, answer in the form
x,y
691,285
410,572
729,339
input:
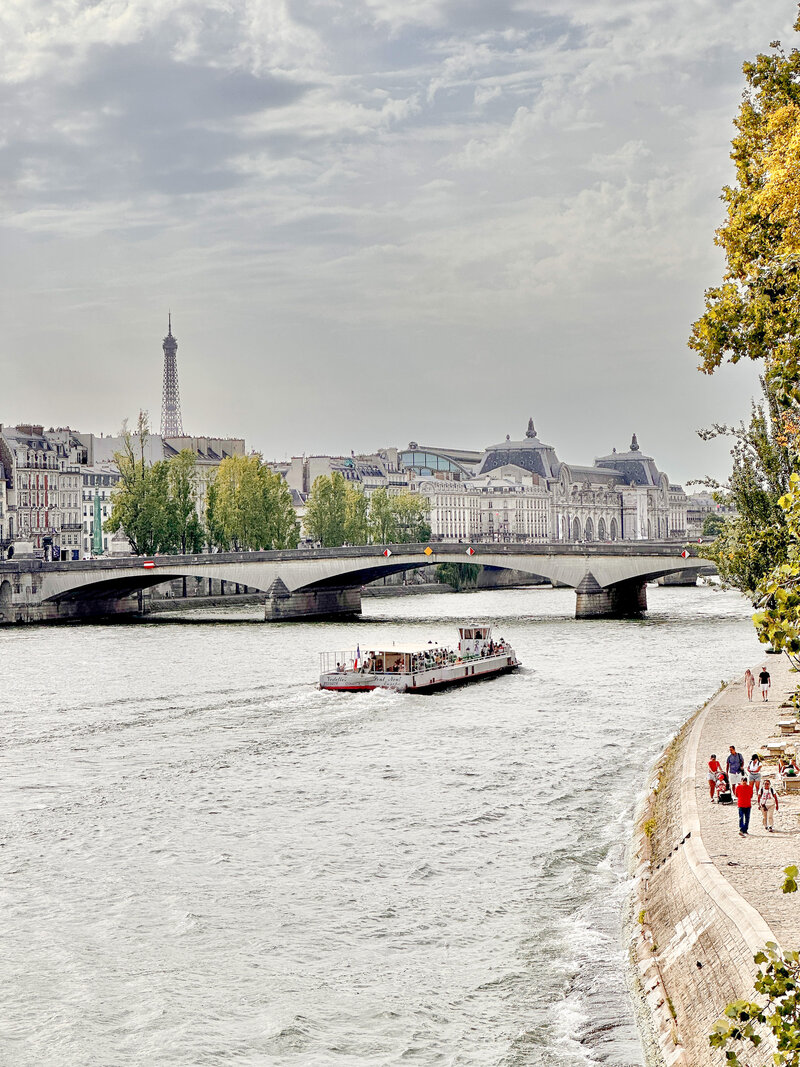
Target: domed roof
x,y
530,453
633,465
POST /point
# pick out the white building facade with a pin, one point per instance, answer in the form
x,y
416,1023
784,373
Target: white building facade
x,y
523,492
41,471
97,484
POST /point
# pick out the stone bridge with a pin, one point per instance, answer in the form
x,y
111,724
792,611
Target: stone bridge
x,y
608,578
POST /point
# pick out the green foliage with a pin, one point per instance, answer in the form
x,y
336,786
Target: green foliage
x,y
411,518
247,504
183,523
142,503
755,311
327,509
713,525
382,518
756,538
777,621
778,983
790,882
459,575
249,507
339,513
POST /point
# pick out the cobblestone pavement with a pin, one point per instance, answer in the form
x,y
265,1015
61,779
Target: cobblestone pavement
x,y
754,864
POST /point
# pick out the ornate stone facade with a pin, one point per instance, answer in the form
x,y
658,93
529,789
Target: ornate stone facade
x,y
523,492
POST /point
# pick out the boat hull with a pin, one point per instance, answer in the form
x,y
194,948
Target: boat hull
x,y
422,681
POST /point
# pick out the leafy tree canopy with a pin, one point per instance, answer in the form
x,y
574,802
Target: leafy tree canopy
x,y
152,502
249,506
339,513
755,311
756,538
778,984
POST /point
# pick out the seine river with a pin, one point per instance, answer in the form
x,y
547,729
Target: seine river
x,y
206,860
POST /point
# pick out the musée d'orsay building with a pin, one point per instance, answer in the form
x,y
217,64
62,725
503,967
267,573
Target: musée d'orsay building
x,y
521,491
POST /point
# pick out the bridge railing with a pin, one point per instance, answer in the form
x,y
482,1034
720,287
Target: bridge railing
x,y
457,550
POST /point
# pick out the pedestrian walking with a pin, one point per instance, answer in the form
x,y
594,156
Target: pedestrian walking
x,y
749,683
764,682
714,767
744,800
735,767
754,771
768,802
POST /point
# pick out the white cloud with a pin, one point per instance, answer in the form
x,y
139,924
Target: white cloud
x,y
347,171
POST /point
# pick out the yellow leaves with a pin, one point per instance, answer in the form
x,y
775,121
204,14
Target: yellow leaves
x,y
779,170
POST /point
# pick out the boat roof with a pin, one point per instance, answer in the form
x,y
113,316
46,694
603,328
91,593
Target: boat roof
x,y
403,647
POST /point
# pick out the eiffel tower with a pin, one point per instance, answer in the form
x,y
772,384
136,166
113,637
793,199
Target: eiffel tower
x,y
171,424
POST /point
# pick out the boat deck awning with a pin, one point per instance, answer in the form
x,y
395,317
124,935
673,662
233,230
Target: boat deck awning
x,y
402,649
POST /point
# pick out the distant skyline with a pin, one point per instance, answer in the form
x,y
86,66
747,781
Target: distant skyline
x,y
374,221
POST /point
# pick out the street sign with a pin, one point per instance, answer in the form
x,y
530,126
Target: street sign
x,y
429,551
148,565
684,554
470,551
387,552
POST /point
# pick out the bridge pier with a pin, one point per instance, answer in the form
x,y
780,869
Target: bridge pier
x,y
592,601
307,603
678,578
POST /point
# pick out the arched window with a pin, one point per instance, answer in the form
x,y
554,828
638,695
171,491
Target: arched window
x,y
576,529
649,530
601,529
589,530
614,532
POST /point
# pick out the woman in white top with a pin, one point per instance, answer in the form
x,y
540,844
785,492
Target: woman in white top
x,y
768,802
754,770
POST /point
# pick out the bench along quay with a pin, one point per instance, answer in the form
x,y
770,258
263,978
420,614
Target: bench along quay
x,y
609,579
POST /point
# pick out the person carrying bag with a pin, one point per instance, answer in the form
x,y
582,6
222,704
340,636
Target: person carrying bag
x,y
768,802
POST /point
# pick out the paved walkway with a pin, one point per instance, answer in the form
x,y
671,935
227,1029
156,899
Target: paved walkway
x,y
752,865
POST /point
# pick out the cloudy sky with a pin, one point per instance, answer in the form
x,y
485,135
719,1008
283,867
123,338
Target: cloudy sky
x,y
373,220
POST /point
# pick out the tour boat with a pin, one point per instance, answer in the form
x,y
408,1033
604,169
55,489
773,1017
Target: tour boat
x,y
418,668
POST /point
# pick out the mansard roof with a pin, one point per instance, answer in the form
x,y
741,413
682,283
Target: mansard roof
x,y
633,465
530,453
603,475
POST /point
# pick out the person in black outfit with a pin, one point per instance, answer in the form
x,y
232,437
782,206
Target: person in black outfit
x,y
764,681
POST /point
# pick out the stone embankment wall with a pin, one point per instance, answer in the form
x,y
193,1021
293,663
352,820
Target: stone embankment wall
x,y
694,938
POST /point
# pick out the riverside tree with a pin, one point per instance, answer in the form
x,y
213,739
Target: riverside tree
x,y
249,506
339,513
755,539
411,517
139,501
327,510
778,984
184,526
755,311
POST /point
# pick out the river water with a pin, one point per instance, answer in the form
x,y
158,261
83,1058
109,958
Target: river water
x,y
206,860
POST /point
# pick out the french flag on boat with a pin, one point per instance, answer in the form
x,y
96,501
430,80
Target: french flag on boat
x,y
357,659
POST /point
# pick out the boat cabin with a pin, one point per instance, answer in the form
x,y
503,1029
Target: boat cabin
x,y
472,639
399,659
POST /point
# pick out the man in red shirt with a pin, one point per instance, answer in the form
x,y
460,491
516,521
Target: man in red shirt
x,y
744,798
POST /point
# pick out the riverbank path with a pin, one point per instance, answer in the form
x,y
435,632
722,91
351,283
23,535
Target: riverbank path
x,y
753,865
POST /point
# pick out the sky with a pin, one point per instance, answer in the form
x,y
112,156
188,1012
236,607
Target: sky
x,y
373,221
